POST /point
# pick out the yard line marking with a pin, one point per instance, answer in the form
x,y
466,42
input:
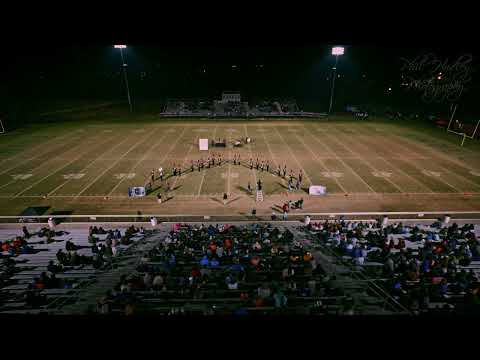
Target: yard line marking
x,y
251,155
62,167
320,161
432,138
88,166
41,154
441,156
43,144
398,169
453,195
422,169
340,159
115,163
9,183
293,155
204,172
155,144
272,156
41,165
363,159
184,160
229,167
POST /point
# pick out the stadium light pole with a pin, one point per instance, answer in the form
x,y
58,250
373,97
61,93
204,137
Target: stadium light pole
x,y
124,67
336,51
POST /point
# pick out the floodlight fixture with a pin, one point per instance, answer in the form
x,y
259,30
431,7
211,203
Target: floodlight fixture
x,y
124,67
338,50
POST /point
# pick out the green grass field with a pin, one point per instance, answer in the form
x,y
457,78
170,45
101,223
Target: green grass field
x,y
368,165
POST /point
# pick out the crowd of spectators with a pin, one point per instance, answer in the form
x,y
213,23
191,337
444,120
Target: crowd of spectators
x,y
421,265
188,107
99,254
228,269
231,108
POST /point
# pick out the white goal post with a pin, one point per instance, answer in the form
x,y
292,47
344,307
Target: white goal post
x,y
2,129
465,136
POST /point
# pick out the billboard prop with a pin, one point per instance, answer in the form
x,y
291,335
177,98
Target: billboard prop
x,y
138,191
203,144
317,190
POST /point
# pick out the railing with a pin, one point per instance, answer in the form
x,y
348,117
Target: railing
x,y
252,114
297,216
388,301
57,304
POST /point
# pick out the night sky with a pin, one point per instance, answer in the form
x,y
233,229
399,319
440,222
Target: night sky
x,y
158,71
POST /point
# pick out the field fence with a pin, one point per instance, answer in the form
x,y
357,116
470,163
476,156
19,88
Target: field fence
x,y
145,218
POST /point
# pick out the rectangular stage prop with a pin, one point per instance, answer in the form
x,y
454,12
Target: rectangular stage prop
x,y
138,191
203,144
317,190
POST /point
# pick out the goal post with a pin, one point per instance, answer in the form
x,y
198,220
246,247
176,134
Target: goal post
x,y
2,129
462,127
464,134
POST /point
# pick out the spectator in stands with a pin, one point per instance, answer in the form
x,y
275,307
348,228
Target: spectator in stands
x,y
70,246
105,303
26,234
53,268
157,282
280,300
92,239
148,281
264,291
204,261
233,284
214,263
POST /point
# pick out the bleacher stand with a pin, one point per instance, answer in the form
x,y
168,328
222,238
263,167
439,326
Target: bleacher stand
x,y
424,268
226,270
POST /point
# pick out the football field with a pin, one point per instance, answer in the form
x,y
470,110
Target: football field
x,y
87,167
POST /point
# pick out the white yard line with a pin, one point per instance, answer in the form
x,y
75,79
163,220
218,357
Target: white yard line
x,y
39,146
9,183
340,159
88,166
251,157
272,156
39,166
422,169
453,195
320,161
185,160
438,155
400,170
204,171
114,163
368,164
173,147
269,149
439,141
229,153
48,149
293,156
57,170
155,144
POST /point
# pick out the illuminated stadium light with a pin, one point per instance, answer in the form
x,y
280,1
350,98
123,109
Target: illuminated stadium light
x,y
124,67
338,50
